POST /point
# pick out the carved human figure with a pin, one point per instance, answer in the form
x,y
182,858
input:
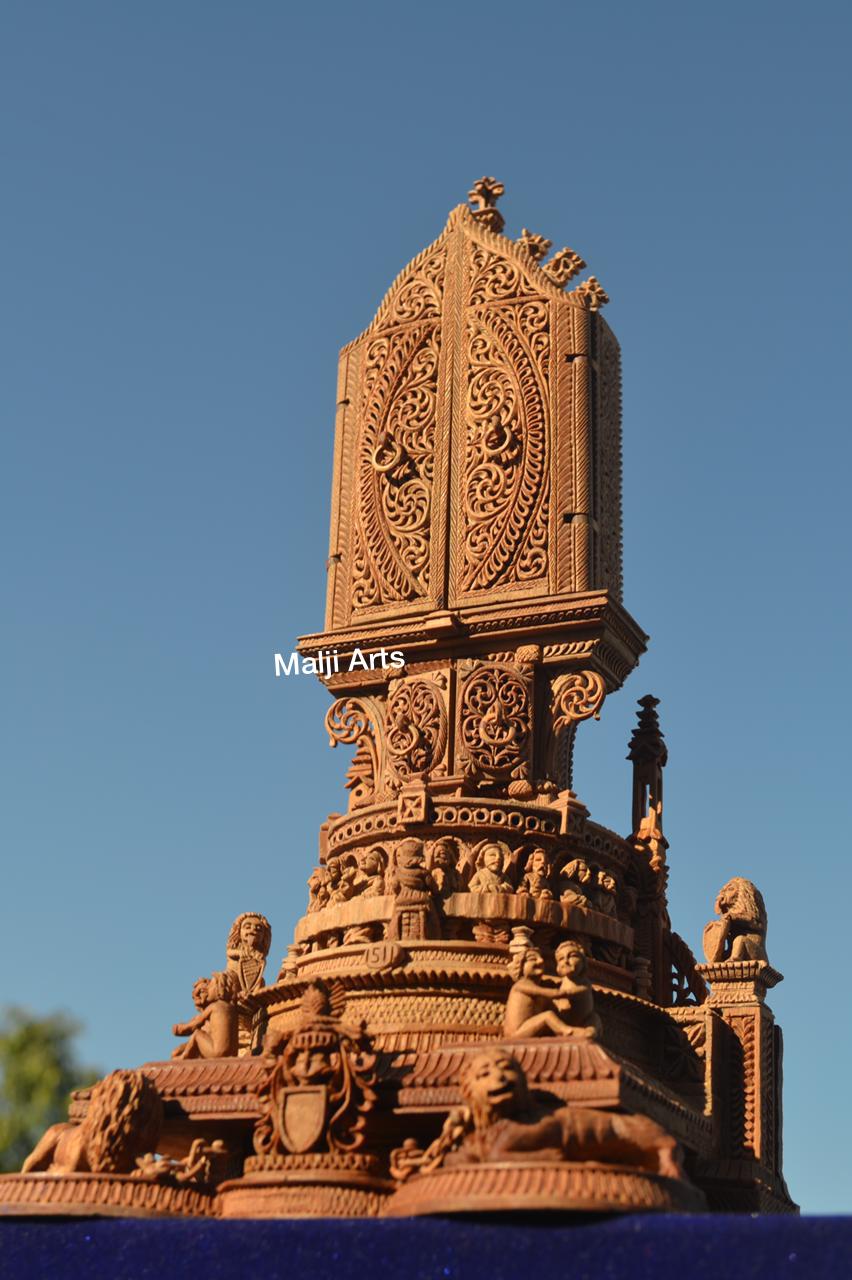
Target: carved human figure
x,y
489,877
444,857
530,1009
575,883
502,1122
575,999
537,872
604,893
369,880
317,889
341,881
415,915
214,1031
122,1123
248,947
741,932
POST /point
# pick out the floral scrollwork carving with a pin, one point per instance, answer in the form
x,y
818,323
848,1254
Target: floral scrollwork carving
x,y
354,720
495,722
505,480
578,696
415,729
395,462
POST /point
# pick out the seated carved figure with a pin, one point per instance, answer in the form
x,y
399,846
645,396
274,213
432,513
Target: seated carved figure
x,y
575,999
741,933
122,1122
502,1122
489,877
575,883
318,889
530,1007
443,866
341,881
369,880
536,881
214,1031
604,893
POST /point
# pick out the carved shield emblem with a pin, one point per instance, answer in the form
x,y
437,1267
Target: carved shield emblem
x,y
303,1113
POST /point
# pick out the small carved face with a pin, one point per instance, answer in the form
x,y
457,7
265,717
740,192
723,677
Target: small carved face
x,y
570,962
492,858
494,1082
532,965
538,861
443,854
333,868
201,993
371,864
606,882
251,932
310,1066
410,853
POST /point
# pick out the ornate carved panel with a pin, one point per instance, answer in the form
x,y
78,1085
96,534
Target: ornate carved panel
x,y
415,729
495,722
503,488
395,461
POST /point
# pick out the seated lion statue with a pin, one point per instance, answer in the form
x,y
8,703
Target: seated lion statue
x,y
122,1123
741,932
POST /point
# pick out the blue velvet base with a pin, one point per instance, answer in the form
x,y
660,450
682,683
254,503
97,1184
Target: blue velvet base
x,y
641,1247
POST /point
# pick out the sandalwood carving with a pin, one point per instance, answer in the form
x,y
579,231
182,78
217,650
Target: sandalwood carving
x,y
502,1120
480,961
741,932
318,1094
123,1122
214,1032
415,729
495,721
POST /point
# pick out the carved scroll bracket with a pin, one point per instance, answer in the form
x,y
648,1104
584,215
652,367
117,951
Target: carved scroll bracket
x,y
576,696
359,721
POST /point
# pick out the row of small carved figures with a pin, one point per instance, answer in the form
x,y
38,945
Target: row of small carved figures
x,y
487,868
321,1058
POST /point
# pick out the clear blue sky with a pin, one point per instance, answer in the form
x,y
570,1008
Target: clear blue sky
x,y
202,203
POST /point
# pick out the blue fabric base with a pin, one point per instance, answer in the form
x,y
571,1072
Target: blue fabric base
x,y
724,1247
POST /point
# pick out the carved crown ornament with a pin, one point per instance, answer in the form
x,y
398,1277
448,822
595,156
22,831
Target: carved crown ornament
x,y
485,1007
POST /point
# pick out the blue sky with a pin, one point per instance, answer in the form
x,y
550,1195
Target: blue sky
x,y
202,203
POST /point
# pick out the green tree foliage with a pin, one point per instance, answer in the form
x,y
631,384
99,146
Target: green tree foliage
x,y
38,1070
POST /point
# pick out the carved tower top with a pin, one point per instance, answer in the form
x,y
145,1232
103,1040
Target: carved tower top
x,y
477,480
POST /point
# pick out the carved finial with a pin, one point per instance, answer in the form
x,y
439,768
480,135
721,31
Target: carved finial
x,y
483,196
590,294
536,246
563,266
649,755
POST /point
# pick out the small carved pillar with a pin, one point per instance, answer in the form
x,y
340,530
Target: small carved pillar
x,y
649,755
751,1060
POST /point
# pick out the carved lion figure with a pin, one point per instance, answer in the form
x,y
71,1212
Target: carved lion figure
x,y
122,1123
741,932
507,1122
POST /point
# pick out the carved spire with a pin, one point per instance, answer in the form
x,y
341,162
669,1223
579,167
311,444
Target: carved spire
x,y
649,755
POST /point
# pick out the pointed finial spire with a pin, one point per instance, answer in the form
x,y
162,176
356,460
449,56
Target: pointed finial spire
x,y
483,197
649,754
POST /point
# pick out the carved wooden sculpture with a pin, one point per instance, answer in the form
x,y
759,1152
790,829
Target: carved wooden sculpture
x,y
466,897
